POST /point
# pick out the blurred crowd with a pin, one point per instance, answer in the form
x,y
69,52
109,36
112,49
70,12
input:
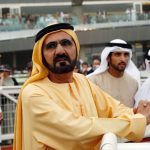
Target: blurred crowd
x,y
14,22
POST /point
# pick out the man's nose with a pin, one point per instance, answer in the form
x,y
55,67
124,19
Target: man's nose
x,y
123,57
60,49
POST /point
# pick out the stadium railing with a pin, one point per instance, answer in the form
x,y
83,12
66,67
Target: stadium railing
x,y
8,100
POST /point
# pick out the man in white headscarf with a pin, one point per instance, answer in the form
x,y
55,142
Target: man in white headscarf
x,y
144,91
147,61
117,74
1,115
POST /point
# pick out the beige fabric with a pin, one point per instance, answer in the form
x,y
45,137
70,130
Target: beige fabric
x,y
74,116
123,88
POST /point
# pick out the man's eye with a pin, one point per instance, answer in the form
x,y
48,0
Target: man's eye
x,y
126,54
51,45
117,54
66,42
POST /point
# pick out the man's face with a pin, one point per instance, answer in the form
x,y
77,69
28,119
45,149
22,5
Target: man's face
x,y
59,53
118,60
147,63
95,64
4,74
85,67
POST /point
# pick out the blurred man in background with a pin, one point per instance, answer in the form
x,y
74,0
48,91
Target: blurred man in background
x,y
1,115
147,61
5,79
144,91
84,68
95,64
29,68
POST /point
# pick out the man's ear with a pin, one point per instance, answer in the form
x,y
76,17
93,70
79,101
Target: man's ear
x,y
108,59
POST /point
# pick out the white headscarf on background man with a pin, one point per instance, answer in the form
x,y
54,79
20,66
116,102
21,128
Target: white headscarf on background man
x,y
144,92
119,45
147,61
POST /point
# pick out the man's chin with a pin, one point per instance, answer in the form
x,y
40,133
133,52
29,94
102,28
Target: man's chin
x,y
62,69
122,69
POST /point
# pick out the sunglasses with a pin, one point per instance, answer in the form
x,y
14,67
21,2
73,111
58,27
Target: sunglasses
x,y
64,43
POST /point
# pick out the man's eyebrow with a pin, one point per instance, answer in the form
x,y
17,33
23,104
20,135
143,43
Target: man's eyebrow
x,y
60,40
120,52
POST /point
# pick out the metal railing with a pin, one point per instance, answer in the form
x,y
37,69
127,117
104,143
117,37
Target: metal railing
x,y
8,100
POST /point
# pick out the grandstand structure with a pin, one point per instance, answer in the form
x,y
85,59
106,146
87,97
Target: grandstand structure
x,y
96,23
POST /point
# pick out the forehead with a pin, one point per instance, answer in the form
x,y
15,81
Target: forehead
x,y
120,52
96,61
57,36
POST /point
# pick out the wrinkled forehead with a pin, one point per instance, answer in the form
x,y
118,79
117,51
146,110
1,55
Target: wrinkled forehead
x,y
57,36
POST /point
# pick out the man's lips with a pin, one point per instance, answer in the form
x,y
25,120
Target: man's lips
x,y
122,64
59,59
